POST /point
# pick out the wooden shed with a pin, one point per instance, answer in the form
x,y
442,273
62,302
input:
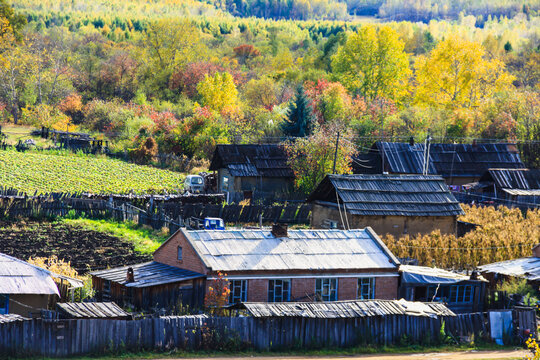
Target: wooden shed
x,y
150,286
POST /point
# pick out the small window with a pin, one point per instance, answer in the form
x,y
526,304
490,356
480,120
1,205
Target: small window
x,y
106,290
4,304
366,288
238,291
279,290
179,253
326,289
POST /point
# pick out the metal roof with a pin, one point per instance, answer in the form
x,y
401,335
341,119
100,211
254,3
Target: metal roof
x,y
93,310
528,268
513,179
400,195
269,160
147,274
520,192
7,318
20,277
448,160
347,309
246,250
412,274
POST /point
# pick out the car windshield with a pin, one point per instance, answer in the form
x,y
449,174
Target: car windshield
x,y
196,180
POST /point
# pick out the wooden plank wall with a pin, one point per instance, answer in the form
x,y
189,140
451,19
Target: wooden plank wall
x,y
75,337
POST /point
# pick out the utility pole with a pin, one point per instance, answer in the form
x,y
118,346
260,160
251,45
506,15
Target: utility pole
x,y
335,154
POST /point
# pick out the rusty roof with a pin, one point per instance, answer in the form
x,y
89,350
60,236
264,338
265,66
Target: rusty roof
x,y
400,195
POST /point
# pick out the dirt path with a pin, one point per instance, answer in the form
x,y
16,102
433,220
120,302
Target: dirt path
x,y
465,355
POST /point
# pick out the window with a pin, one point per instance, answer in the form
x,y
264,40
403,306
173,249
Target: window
x,y
106,290
326,289
366,288
279,290
461,293
4,304
179,253
238,291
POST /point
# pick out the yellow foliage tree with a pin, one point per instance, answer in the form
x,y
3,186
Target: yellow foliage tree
x,y
373,63
457,74
218,92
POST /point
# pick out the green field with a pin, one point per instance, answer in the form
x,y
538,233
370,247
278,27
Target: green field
x,y
49,172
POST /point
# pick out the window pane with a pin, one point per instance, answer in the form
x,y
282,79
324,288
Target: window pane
x,y
278,290
366,288
238,291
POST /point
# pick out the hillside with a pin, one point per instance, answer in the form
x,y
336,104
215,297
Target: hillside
x,y
49,172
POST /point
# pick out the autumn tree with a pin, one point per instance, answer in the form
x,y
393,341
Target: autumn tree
x,y
217,294
456,75
261,93
300,120
312,157
373,63
245,52
218,92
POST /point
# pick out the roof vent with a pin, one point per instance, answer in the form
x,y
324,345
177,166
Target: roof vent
x,y
279,230
130,275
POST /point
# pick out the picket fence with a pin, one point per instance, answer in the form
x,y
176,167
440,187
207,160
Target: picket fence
x,y
59,338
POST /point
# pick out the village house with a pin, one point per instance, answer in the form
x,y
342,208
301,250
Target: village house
x,y
458,164
390,204
282,265
244,171
515,186
149,286
24,288
461,293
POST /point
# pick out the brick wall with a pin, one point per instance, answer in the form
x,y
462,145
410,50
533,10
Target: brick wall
x,y
257,290
302,289
386,287
347,288
168,254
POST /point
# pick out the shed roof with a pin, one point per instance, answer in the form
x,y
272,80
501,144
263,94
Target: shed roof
x,y
7,318
246,250
448,160
347,309
147,274
93,310
513,179
268,160
528,268
20,277
400,195
413,274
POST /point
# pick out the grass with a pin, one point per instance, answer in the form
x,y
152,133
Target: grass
x,y
360,350
63,171
145,240
14,133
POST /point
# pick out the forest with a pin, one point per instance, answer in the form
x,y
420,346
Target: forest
x,y
179,77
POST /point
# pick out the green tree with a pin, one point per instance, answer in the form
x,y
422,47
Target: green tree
x,y
299,122
15,21
373,63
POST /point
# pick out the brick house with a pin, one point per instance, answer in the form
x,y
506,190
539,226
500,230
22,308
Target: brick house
x,y
288,265
390,204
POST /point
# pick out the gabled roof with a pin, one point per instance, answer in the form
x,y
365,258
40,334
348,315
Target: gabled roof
x,y
528,268
447,160
20,277
250,250
147,274
513,179
400,195
347,309
269,160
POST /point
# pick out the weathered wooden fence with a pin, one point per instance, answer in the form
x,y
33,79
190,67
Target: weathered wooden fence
x,y
73,337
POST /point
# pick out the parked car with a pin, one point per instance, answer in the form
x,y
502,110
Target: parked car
x,y
214,224
194,184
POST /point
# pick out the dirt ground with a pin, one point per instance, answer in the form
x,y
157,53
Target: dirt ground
x,y
465,355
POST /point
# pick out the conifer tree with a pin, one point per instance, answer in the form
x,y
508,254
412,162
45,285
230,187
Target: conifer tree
x,y
299,122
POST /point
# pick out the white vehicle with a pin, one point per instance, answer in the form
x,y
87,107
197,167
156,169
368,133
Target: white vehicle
x,y
194,184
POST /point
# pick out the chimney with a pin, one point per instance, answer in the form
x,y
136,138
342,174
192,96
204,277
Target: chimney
x,y
130,276
279,230
411,141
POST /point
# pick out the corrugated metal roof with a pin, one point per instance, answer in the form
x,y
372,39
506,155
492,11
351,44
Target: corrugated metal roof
x,y
20,277
267,160
7,318
513,179
400,195
347,309
94,310
413,274
528,268
246,250
448,159
520,192
147,274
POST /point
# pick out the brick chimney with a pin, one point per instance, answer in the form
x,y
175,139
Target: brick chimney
x,y
130,275
279,230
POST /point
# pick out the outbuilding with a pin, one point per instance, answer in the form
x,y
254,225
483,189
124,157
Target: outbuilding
x,y
510,186
390,204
